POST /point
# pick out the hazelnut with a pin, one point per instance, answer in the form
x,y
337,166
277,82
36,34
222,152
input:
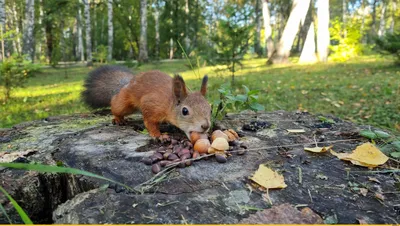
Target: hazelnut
x,y
231,137
218,133
202,145
195,136
220,144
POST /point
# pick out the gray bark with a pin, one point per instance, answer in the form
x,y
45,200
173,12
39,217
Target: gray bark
x,y
88,32
110,29
2,26
157,28
373,25
298,14
17,42
29,39
187,39
42,28
257,46
394,8
171,49
143,56
267,28
381,31
81,55
323,36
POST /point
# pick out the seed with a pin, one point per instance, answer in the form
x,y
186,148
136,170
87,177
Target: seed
x,y
172,157
166,154
184,152
159,156
173,141
164,162
195,155
173,162
220,158
147,161
155,168
153,159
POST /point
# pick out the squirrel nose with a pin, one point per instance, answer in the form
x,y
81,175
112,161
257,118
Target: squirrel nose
x,y
205,126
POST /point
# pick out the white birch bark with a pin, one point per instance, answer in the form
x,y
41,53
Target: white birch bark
x,y
308,52
110,29
143,56
187,39
29,39
86,4
81,54
381,31
2,27
157,28
323,36
267,28
394,8
298,14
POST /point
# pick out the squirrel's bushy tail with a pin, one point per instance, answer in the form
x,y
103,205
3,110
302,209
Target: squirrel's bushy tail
x,y
103,83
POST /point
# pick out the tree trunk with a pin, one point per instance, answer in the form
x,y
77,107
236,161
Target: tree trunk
x,y
29,39
94,35
2,27
110,30
308,52
267,28
393,15
157,28
344,11
42,28
257,46
143,56
298,13
17,30
187,39
88,33
323,36
381,31
171,49
81,55
373,25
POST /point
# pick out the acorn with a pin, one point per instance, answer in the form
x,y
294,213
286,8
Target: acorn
x,y
202,145
156,168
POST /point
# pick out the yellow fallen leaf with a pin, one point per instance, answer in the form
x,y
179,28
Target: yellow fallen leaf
x,y
267,178
319,149
296,130
364,155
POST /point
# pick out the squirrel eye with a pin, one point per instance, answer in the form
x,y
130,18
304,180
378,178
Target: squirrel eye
x,y
185,111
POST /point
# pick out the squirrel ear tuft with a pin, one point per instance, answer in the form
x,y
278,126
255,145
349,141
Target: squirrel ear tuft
x,y
179,87
203,89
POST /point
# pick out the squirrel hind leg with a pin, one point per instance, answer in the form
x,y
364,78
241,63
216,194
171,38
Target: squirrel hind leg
x,y
119,121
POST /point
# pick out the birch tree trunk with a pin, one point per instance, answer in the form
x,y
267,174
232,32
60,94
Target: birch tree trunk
x,y
394,8
373,25
257,47
110,30
157,28
17,30
29,39
381,31
323,36
298,13
171,49
2,27
308,52
43,31
88,33
143,56
269,43
81,54
94,35
187,39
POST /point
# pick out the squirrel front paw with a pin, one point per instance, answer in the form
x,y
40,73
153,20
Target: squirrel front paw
x,y
119,121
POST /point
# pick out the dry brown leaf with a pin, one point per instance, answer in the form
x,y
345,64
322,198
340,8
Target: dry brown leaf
x,y
364,155
283,214
379,196
268,178
296,130
364,191
319,149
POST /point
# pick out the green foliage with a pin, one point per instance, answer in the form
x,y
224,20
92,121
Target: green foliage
x,y
17,207
346,43
13,73
391,143
232,37
101,53
390,44
234,102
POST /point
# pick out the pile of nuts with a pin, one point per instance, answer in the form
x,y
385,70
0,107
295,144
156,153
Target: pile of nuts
x,y
181,153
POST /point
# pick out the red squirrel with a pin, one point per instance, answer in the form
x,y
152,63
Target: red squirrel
x,y
158,96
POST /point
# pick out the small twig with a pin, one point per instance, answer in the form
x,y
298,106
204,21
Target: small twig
x,y
309,193
378,171
300,175
394,160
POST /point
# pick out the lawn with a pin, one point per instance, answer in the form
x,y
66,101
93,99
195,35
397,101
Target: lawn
x,y
365,90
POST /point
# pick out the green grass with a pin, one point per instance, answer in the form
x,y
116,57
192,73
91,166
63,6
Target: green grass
x,y
365,90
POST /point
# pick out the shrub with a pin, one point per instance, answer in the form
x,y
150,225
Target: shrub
x,y
390,44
